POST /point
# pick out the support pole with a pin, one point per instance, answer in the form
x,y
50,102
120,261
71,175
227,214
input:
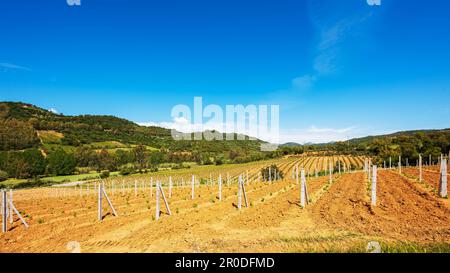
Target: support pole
x,y
158,207
110,203
11,218
165,200
4,211
240,192
420,168
245,194
170,186
331,173
100,197
220,187
151,186
374,186
193,186
443,179
302,189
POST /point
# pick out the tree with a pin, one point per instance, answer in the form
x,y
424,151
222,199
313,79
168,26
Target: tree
x,y
155,158
85,157
17,135
106,161
139,154
61,163
36,162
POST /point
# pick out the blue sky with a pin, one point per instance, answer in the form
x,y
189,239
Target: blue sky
x,y
337,69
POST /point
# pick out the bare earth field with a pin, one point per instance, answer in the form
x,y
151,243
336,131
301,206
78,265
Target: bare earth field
x,y
409,216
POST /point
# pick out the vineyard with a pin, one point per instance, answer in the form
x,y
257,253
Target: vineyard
x,y
203,212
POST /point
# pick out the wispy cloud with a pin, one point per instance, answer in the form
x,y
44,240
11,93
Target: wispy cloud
x,y
10,66
314,134
333,25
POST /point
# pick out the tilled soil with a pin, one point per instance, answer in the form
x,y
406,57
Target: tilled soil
x,y
338,217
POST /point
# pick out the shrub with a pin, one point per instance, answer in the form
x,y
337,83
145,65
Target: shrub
x,y
104,174
3,176
126,170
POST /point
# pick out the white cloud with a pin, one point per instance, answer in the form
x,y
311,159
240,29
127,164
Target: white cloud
x,y
10,66
315,134
311,134
53,110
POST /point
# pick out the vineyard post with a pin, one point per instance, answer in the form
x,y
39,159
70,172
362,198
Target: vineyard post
x,y
240,192
384,164
443,180
244,192
296,174
429,161
302,189
374,186
166,203
420,168
109,202
339,166
193,185
158,209
170,186
400,164
220,187
151,186
331,173
3,211
390,162
100,196
11,219
270,175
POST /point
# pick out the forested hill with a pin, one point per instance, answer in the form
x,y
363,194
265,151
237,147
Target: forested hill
x,y
408,144
27,126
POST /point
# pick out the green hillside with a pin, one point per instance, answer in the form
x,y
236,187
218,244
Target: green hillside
x,y
102,143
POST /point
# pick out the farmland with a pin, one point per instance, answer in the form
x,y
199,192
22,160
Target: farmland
x,y
409,215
